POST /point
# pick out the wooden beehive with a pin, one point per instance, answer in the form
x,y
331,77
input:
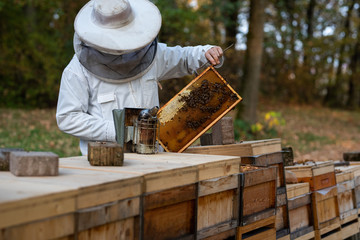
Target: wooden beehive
x,y
257,193
300,211
194,110
320,175
275,159
218,206
245,148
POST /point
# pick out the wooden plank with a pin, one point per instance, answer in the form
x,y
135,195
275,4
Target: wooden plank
x,y
263,160
262,229
350,228
344,176
246,148
51,228
219,231
287,237
173,221
104,214
297,189
222,235
123,229
257,176
309,235
169,197
299,201
304,171
215,185
331,232
22,202
217,208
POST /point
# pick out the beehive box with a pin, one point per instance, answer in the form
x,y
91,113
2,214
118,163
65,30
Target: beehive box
x,y
320,175
257,193
194,110
245,148
326,213
218,206
300,211
275,159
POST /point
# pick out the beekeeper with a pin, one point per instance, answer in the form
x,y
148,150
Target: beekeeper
x,y
118,63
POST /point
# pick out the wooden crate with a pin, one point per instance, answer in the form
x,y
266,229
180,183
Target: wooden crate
x,y
282,214
320,175
217,209
259,230
300,211
257,193
246,148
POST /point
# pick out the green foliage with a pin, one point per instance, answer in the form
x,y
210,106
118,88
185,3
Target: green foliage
x,y
267,127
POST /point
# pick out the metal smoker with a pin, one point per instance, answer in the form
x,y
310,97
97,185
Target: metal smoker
x,y
137,129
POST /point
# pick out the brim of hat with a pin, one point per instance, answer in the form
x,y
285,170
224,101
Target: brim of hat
x,y
141,31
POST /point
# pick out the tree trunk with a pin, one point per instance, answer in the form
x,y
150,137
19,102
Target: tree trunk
x,y
353,87
334,91
254,51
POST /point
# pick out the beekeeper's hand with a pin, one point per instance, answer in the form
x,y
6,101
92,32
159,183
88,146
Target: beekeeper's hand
x,y
214,54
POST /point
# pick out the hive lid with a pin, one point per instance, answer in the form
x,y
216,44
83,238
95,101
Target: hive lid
x,y
195,109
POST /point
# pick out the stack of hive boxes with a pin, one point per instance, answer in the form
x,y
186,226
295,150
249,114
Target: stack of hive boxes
x,y
324,196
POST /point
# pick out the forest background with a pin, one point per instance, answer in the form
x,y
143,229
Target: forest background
x,y
304,52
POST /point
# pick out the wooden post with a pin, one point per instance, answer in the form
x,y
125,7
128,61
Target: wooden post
x,y
105,154
223,132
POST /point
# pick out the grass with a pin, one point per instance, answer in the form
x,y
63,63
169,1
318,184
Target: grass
x,y
312,131
35,130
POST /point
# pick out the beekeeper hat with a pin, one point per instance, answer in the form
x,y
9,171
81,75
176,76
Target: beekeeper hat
x,y
118,26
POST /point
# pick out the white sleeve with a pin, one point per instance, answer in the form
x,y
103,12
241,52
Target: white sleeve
x,y
71,113
180,61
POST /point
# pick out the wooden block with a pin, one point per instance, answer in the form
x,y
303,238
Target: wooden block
x,y
5,157
170,213
105,154
246,148
223,132
258,230
325,208
297,189
206,139
217,206
34,163
320,175
257,193
351,156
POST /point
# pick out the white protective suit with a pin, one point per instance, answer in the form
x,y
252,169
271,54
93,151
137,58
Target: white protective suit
x,y
85,102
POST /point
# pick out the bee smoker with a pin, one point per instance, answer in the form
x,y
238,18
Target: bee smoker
x,y
137,129
146,130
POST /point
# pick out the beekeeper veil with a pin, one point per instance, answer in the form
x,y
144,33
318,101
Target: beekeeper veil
x,y
116,39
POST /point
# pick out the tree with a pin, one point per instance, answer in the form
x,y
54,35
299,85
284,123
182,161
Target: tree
x,y
253,58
